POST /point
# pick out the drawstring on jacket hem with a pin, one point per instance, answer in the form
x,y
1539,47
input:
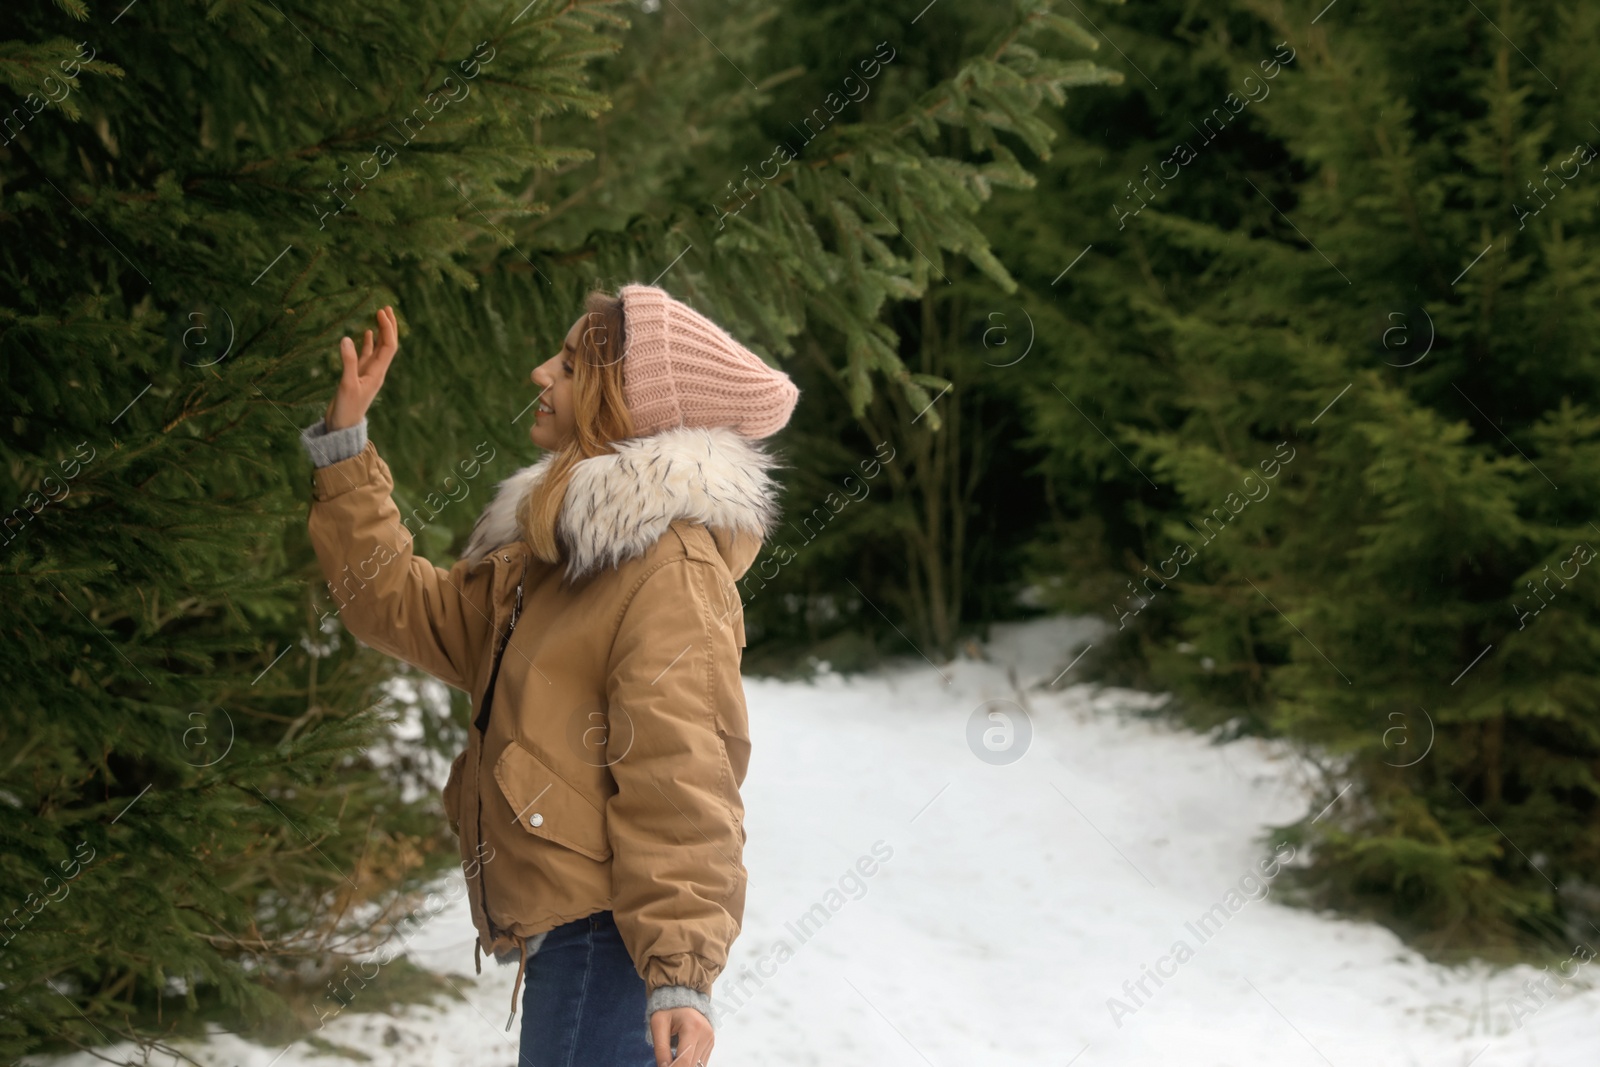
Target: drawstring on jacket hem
x,y
522,944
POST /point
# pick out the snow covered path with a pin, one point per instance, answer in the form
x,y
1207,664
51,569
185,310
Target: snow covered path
x,y
1006,904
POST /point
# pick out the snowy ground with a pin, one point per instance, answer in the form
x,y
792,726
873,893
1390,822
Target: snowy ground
x,y
1015,901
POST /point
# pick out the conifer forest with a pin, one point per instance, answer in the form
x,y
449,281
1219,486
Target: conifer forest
x,y
1188,541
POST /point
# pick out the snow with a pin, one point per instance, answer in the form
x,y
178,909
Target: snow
x,y
1008,902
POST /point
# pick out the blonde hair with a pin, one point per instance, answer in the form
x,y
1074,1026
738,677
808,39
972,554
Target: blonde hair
x,y
600,416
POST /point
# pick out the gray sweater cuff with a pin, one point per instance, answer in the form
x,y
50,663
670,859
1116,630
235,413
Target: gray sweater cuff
x,y
328,447
678,996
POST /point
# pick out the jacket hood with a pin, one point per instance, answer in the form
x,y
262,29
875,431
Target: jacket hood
x,y
619,504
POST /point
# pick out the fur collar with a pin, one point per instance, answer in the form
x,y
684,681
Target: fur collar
x,y
618,505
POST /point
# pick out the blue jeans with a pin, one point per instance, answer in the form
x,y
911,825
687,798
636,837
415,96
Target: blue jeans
x,y
583,1002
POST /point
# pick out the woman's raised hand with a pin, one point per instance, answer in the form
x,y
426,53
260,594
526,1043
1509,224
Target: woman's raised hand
x,y
363,375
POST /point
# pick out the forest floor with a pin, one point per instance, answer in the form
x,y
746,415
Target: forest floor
x,y
1007,905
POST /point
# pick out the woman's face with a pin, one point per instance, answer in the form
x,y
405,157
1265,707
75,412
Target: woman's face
x,y
553,419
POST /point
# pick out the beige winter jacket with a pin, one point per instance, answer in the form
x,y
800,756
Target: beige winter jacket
x,y
603,767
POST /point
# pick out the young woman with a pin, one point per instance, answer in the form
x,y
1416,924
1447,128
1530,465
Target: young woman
x,y
595,622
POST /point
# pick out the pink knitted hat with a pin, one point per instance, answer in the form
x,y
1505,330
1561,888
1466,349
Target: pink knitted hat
x,y
681,369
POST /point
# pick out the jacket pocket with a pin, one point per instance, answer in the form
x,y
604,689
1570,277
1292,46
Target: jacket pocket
x,y
545,805
452,794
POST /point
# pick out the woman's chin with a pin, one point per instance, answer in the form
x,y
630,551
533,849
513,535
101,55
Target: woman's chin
x,y
546,437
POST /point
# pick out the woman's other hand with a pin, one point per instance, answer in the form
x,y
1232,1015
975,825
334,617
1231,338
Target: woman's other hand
x,y
694,1033
363,374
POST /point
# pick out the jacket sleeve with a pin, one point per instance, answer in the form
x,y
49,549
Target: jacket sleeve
x,y
679,739
389,598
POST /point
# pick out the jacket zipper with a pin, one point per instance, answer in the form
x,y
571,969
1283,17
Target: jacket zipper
x,y
482,726
482,722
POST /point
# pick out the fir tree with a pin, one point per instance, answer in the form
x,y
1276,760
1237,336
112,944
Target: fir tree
x,y
1344,351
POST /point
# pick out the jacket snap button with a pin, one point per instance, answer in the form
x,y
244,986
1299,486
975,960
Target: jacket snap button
x,y
536,819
